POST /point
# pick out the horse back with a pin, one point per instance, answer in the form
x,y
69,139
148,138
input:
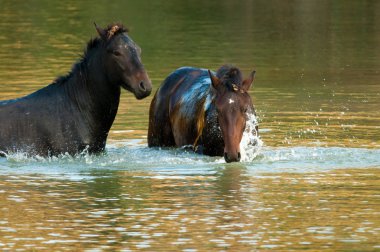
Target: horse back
x,y
37,122
177,110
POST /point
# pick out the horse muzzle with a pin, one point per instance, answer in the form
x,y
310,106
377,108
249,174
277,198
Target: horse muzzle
x,y
232,157
143,89
139,84
140,89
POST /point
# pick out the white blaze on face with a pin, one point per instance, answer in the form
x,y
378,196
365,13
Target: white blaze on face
x,y
230,101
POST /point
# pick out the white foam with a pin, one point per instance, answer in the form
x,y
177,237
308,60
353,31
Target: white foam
x,y
21,156
251,143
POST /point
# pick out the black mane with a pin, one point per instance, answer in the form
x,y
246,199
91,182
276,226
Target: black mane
x,y
80,64
111,31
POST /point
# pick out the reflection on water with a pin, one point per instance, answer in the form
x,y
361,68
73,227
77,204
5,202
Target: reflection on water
x,y
229,209
313,185
137,198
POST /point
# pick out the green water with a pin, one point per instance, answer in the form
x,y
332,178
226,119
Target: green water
x,y
313,185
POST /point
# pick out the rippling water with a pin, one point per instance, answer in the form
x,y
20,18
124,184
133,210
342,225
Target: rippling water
x,y
136,198
313,183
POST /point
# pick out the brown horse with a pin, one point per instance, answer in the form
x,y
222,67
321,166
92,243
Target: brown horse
x,y
195,107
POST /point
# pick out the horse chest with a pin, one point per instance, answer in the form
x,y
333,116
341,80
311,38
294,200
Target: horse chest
x,y
211,139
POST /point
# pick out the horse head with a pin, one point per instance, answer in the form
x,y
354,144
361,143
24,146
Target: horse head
x,y
123,62
232,103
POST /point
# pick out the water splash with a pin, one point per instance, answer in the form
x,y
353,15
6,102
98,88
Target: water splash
x,y
134,156
128,156
23,157
251,143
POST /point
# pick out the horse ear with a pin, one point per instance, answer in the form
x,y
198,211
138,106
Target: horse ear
x,y
248,82
102,33
214,80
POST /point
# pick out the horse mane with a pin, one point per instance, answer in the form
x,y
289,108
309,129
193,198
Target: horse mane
x,y
229,76
111,31
79,65
115,29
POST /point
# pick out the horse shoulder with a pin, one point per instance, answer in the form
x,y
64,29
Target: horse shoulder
x,y
187,115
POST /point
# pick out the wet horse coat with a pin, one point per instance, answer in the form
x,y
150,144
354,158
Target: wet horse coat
x,y
76,111
194,107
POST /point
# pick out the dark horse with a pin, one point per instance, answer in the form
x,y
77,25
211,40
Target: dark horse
x,y
76,111
195,107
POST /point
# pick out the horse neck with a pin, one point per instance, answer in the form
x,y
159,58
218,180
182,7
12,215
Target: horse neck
x,y
206,116
211,118
90,90
210,110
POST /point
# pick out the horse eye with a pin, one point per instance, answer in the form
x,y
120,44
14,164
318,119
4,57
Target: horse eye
x,y
116,53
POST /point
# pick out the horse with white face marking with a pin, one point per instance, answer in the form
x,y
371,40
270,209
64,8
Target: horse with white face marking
x,y
198,108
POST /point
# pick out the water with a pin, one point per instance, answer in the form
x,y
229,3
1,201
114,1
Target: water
x,y
136,198
313,183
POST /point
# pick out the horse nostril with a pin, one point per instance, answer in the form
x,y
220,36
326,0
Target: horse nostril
x,y
230,159
226,157
142,86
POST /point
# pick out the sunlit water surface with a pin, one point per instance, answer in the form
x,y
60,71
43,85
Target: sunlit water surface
x,y
312,183
135,198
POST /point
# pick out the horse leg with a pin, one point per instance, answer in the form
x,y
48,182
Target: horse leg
x,y
160,134
159,131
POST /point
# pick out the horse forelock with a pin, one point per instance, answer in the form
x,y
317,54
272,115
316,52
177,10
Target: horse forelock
x,y
231,77
111,31
115,29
